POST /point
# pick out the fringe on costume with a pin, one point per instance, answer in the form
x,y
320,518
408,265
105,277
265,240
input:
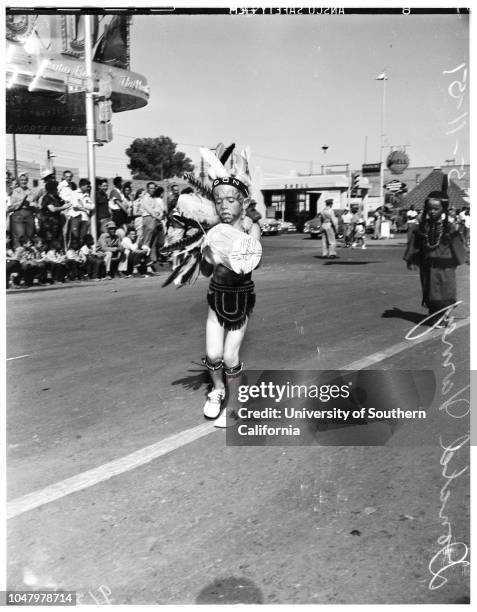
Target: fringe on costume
x,y
232,305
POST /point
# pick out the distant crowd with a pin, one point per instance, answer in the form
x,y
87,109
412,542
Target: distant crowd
x,y
49,233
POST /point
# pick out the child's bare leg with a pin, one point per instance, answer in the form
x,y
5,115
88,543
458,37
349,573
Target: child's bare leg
x,y
214,348
233,372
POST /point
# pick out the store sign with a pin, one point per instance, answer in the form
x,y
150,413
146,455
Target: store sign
x,y
397,161
395,186
371,168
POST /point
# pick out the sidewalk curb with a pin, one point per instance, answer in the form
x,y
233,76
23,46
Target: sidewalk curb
x,y
82,285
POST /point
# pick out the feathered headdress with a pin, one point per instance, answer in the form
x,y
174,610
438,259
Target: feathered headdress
x,y
195,213
238,172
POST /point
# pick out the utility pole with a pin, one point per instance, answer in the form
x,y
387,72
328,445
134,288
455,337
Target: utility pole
x,y
90,141
15,162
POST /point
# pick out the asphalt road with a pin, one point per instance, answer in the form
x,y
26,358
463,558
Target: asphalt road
x,y
106,369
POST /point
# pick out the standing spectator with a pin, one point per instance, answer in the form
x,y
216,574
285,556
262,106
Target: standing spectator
x,y
39,191
103,214
127,193
346,219
137,214
359,230
162,225
172,196
65,183
79,212
412,219
466,227
378,219
252,212
22,211
329,226
56,262
118,205
109,245
95,268
51,219
136,256
152,208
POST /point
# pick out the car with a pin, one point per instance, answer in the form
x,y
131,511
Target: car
x,y
286,227
313,227
269,226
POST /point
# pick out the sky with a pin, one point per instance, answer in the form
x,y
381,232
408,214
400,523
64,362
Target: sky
x,y
286,85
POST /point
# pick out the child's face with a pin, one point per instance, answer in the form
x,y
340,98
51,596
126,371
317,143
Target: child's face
x,y
434,209
228,203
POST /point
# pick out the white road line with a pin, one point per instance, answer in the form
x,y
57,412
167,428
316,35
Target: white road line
x,y
107,471
19,357
149,453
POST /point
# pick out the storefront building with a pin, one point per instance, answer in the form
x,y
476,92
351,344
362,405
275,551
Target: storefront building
x,y
297,198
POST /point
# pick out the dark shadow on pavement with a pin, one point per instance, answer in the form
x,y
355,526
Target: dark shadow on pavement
x,y
337,262
407,315
195,381
230,590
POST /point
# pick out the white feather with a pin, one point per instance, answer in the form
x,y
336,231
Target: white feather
x,y
213,162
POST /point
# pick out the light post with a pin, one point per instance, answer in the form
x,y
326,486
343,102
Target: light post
x,y
90,142
382,77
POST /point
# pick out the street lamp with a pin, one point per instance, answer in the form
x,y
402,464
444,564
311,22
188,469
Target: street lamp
x,y
382,77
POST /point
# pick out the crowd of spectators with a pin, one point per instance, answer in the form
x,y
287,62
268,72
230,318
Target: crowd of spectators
x,y
49,230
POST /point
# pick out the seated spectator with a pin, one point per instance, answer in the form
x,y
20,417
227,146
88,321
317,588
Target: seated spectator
x,y
41,266
136,256
95,267
31,262
14,268
75,261
55,259
110,245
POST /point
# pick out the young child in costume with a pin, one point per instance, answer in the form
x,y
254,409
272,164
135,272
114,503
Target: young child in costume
x,y
437,248
231,295
227,253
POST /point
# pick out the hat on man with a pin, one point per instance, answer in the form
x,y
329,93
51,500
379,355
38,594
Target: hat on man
x,y
46,173
329,201
110,224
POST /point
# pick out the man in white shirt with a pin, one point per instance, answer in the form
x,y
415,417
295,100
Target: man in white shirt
x,y
153,212
347,218
79,211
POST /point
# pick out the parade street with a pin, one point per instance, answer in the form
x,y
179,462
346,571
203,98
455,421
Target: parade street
x,y
100,373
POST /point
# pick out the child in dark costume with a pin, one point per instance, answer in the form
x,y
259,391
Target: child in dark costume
x,y
436,247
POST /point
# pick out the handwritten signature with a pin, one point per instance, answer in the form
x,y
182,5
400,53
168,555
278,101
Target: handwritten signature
x,y
452,553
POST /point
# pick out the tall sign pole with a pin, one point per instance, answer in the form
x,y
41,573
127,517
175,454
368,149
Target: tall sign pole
x,y
382,77
90,140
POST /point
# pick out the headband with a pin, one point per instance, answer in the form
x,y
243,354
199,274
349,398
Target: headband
x,y
233,182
